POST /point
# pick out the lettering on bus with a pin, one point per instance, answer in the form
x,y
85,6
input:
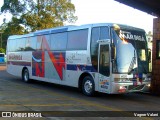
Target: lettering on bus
x,y
129,36
104,84
15,57
76,57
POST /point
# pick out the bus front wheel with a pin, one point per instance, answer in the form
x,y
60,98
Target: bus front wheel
x,y
25,75
88,87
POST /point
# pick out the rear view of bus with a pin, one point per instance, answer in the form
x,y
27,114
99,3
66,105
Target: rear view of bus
x,y
130,60
2,57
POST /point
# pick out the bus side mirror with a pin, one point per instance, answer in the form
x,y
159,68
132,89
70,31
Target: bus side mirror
x,y
113,52
149,55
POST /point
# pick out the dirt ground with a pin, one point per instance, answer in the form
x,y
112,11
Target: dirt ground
x,y
2,67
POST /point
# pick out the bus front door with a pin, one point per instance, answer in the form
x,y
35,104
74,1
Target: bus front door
x,y
104,67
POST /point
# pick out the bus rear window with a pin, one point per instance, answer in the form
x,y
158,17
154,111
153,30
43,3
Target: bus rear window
x,y
1,55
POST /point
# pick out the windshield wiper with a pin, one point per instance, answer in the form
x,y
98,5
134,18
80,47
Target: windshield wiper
x,y
130,69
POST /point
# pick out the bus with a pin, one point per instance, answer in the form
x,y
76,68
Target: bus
x,y
105,57
2,57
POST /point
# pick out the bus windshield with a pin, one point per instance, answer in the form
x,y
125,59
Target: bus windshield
x,y
130,51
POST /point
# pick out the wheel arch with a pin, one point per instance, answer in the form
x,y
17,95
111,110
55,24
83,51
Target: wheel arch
x,y
82,76
23,70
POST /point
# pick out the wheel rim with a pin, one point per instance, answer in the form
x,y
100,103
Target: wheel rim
x,y
26,76
88,86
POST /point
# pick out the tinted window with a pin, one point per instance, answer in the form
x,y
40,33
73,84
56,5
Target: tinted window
x,y
58,41
39,42
104,33
20,44
94,46
95,37
43,42
98,33
77,40
31,43
12,45
46,42
104,63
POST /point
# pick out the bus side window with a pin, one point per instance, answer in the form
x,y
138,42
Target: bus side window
x,y
39,42
104,33
42,42
8,46
12,46
77,40
21,44
30,44
104,66
94,46
59,41
98,33
47,42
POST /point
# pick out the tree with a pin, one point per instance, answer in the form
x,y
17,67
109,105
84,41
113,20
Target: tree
x,y
32,15
149,36
2,50
40,14
11,28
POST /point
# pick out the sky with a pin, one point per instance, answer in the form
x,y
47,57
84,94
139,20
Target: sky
x,y
107,11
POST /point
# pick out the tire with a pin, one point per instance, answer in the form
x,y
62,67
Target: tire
x,y
25,76
88,86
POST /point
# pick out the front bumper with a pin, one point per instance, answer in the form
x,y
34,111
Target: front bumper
x,y
119,87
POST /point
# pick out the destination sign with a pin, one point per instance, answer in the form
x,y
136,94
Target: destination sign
x,y
131,36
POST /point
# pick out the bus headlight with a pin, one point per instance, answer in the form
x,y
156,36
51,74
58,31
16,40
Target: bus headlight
x,y
148,85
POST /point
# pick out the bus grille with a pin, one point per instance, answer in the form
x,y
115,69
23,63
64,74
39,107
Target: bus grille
x,y
133,87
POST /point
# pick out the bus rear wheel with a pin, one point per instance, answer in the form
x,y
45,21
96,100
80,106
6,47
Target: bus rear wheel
x,y
88,87
25,76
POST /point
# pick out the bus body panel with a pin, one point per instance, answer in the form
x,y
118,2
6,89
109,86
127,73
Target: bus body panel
x,y
66,67
16,61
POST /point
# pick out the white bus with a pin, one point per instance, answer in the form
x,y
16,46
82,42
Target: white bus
x,y
108,58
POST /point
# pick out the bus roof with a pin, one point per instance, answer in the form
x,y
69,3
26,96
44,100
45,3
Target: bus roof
x,y
70,28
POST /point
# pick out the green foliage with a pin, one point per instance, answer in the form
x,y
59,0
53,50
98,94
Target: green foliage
x,y
40,14
15,7
2,50
32,15
11,28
